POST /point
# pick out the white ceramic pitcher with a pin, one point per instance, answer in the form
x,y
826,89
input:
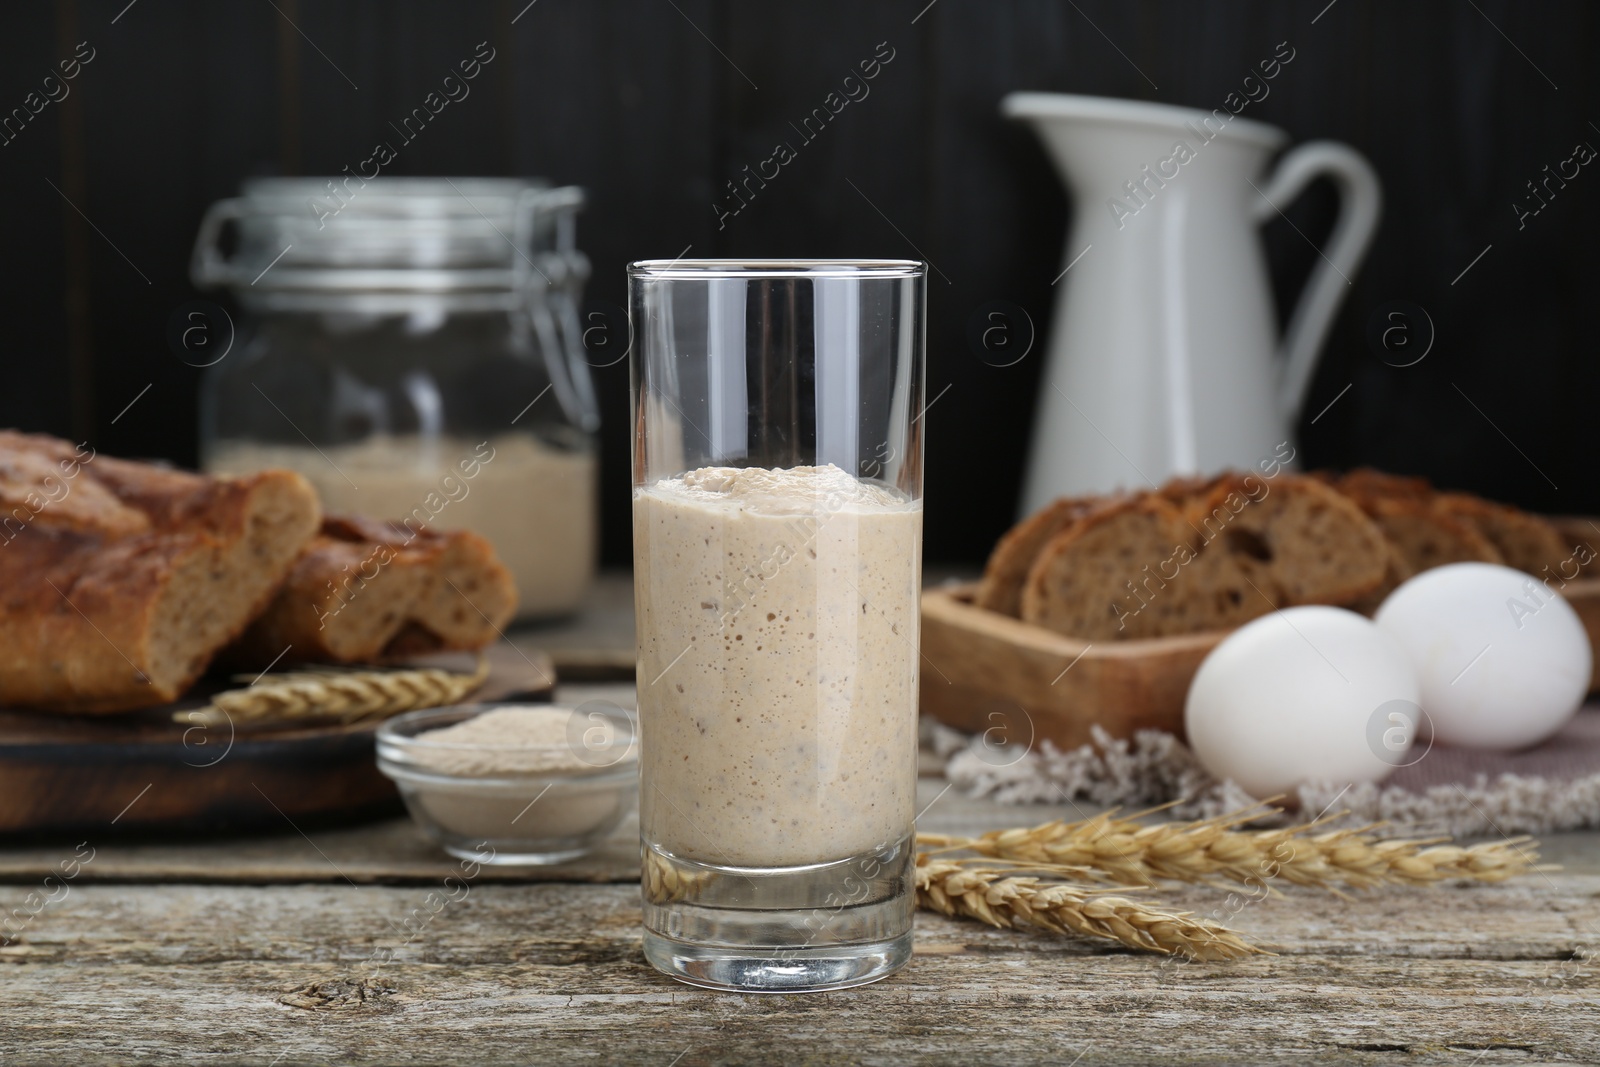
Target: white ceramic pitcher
x,y
1164,351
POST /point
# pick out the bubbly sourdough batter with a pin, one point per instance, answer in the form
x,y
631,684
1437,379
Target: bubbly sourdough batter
x,y
778,646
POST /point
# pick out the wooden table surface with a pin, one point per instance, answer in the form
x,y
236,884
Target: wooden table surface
x,y
322,944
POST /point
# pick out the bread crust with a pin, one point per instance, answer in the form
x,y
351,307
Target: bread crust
x,y
37,477
76,612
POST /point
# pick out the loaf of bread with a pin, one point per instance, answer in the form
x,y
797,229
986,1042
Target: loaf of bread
x,y
1207,555
120,581
367,590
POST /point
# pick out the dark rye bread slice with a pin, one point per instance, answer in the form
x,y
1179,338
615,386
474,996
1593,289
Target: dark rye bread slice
x,y
1505,534
1297,539
368,590
1155,567
1127,570
1525,541
1582,536
1013,555
118,600
1407,511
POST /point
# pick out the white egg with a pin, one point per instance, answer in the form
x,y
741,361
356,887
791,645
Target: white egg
x,y
1302,695
1503,659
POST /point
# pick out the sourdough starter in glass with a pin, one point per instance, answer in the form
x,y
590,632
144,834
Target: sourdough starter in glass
x,y
777,614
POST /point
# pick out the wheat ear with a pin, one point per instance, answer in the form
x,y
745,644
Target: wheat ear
x,y
346,695
1130,853
1001,898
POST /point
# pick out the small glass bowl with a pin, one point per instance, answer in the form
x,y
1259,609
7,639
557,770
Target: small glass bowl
x,y
515,804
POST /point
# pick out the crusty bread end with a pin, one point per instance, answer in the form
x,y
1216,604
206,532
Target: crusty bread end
x,y
121,601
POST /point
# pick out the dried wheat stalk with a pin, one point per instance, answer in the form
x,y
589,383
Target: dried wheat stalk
x,y
343,694
1004,899
1125,851
663,883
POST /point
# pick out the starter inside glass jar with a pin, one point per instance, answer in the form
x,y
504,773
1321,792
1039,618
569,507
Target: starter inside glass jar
x,y
535,503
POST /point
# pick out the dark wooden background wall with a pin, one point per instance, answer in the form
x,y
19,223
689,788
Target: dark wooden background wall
x,y
654,104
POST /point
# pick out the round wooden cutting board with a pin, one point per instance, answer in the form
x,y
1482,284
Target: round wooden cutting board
x,y
142,772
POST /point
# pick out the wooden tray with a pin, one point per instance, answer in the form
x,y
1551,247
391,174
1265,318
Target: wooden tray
x,y
143,772
983,671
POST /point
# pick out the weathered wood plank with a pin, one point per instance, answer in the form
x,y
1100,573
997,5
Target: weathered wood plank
x,y
499,1014
1524,920
512,973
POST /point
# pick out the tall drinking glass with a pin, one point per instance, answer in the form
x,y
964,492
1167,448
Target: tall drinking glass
x,y
777,552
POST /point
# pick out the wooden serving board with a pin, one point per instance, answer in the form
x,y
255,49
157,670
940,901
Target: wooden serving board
x,y
142,772
983,671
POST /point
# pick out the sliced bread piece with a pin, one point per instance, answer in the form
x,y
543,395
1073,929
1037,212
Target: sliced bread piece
x,y
1407,512
1582,536
1126,571
474,597
368,590
1013,555
350,592
1295,538
1524,541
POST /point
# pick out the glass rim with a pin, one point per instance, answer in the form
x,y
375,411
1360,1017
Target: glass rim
x,y
777,268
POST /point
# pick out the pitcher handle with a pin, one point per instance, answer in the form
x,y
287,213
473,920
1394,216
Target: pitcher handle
x,y
208,268
1360,205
